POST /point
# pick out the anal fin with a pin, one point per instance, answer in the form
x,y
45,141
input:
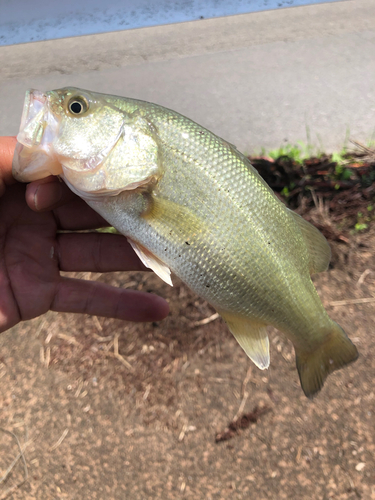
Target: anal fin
x,y
152,262
252,337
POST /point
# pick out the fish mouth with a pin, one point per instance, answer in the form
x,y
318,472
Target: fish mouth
x,y
33,158
32,120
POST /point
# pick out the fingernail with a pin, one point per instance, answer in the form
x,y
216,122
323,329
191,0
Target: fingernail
x,y
47,195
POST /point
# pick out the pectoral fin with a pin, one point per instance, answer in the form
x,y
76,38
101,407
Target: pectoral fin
x,y
152,262
174,216
252,337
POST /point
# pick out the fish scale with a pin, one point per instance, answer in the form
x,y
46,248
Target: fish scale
x,y
191,203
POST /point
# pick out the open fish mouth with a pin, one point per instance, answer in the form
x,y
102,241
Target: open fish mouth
x,y
33,118
33,156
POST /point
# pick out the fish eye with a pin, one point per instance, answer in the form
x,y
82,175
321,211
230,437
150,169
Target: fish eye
x,y
78,105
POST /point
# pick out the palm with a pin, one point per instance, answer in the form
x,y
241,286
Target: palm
x,y
32,253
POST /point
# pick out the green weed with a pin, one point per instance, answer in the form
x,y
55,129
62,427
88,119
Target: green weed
x,y
360,226
363,219
296,153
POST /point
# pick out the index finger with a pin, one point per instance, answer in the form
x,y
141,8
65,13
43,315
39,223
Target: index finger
x,y
70,211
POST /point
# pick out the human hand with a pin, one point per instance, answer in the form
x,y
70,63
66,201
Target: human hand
x,y
7,146
33,252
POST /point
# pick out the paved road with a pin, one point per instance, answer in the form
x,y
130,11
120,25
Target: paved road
x,y
258,80
22,21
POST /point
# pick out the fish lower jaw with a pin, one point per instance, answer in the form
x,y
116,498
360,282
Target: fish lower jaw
x,y
30,164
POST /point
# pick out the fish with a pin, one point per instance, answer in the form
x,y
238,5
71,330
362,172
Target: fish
x,y
191,204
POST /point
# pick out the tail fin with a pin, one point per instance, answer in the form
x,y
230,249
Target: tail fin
x,y
314,367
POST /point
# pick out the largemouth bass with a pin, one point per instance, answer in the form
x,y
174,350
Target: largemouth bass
x,y
190,203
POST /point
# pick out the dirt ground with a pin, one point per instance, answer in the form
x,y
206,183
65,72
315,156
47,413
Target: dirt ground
x,y
108,410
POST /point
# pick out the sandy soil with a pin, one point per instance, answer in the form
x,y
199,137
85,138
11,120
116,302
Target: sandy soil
x,y
109,410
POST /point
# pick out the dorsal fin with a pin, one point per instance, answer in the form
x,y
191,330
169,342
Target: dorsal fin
x,y
317,246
